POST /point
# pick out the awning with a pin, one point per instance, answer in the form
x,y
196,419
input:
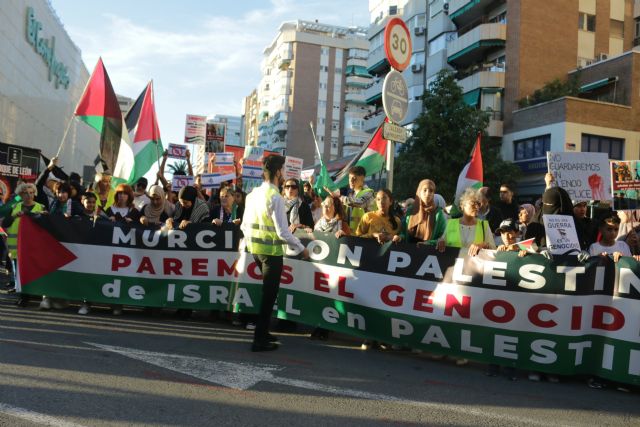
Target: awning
x,y
472,98
476,45
374,98
598,84
357,70
463,9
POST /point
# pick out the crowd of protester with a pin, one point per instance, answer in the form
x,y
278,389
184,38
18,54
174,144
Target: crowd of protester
x,y
361,211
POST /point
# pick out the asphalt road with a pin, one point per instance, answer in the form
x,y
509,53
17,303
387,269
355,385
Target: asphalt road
x,y
59,368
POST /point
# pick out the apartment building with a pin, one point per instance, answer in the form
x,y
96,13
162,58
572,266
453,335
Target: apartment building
x,y
502,51
311,73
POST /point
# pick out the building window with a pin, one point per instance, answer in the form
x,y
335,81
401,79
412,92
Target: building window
x,y
531,148
637,26
322,105
324,68
335,125
614,147
324,51
338,70
616,29
499,19
334,142
393,10
587,22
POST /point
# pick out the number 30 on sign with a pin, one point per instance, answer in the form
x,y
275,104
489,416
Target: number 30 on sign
x,y
397,44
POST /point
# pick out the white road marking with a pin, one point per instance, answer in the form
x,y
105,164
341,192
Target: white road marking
x,y
35,417
241,376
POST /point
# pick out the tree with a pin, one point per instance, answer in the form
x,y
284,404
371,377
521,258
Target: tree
x,y
178,168
442,141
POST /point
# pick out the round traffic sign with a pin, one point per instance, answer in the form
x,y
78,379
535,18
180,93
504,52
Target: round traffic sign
x,y
397,44
395,96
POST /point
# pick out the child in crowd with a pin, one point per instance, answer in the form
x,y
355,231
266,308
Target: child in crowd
x,y
608,245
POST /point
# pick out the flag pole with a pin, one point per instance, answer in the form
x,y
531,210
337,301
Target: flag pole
x,y
153,99
64,136
315,141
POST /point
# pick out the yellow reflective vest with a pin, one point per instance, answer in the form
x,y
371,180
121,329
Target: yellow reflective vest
x,y
355,214
452,233
260,235
12,232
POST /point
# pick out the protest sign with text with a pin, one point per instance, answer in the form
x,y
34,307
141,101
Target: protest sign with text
x,y
585,176
561,316
195,129
625,182
292,167
561,235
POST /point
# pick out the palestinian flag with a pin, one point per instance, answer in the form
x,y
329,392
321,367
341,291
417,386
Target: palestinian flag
x,y
323,181
99,108
527,245
471,175
372,157
142,124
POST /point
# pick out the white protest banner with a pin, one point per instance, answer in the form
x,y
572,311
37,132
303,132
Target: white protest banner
x,y
306,174
253,153
224,159
224,166
195,130
251,177
561,234
180,181
585,176
177,151
292,167
213,180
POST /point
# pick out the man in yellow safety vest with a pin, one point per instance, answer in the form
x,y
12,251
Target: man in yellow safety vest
x,y
266,233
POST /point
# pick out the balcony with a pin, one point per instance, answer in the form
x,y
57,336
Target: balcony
x,y
358,81
285,60
280,126
357,62
495,128
279,145
493,79
355,97
471,47
464,12
373,94
377,62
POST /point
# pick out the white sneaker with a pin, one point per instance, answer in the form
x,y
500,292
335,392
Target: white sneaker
x,y
84,309
250,326
45,304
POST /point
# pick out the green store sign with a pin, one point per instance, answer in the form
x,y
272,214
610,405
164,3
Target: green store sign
x,y
46,48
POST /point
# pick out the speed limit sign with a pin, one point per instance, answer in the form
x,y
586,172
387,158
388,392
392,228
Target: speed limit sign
x,y
397,44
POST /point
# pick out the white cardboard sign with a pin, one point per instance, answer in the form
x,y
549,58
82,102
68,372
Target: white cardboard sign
x,y
292,167
585,176
560,233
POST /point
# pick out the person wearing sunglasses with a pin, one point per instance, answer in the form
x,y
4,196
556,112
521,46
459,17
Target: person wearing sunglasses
x,y
298,212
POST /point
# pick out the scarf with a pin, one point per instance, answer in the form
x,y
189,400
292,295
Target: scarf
x,y
292,208
328,225
151,212
423,217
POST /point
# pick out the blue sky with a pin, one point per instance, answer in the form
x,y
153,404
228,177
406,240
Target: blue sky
x,y
203,56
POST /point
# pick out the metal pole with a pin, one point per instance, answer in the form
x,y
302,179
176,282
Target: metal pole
x,y
390,155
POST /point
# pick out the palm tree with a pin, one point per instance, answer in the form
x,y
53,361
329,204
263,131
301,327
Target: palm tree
x,y
179,168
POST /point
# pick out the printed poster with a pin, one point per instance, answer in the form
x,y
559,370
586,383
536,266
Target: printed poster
x,y
195,129
180,181
215,137
292,167
625,183
177,151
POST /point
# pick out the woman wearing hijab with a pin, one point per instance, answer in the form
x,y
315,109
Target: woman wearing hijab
x,y
525,216
158,210
555,201
189,209
426,222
